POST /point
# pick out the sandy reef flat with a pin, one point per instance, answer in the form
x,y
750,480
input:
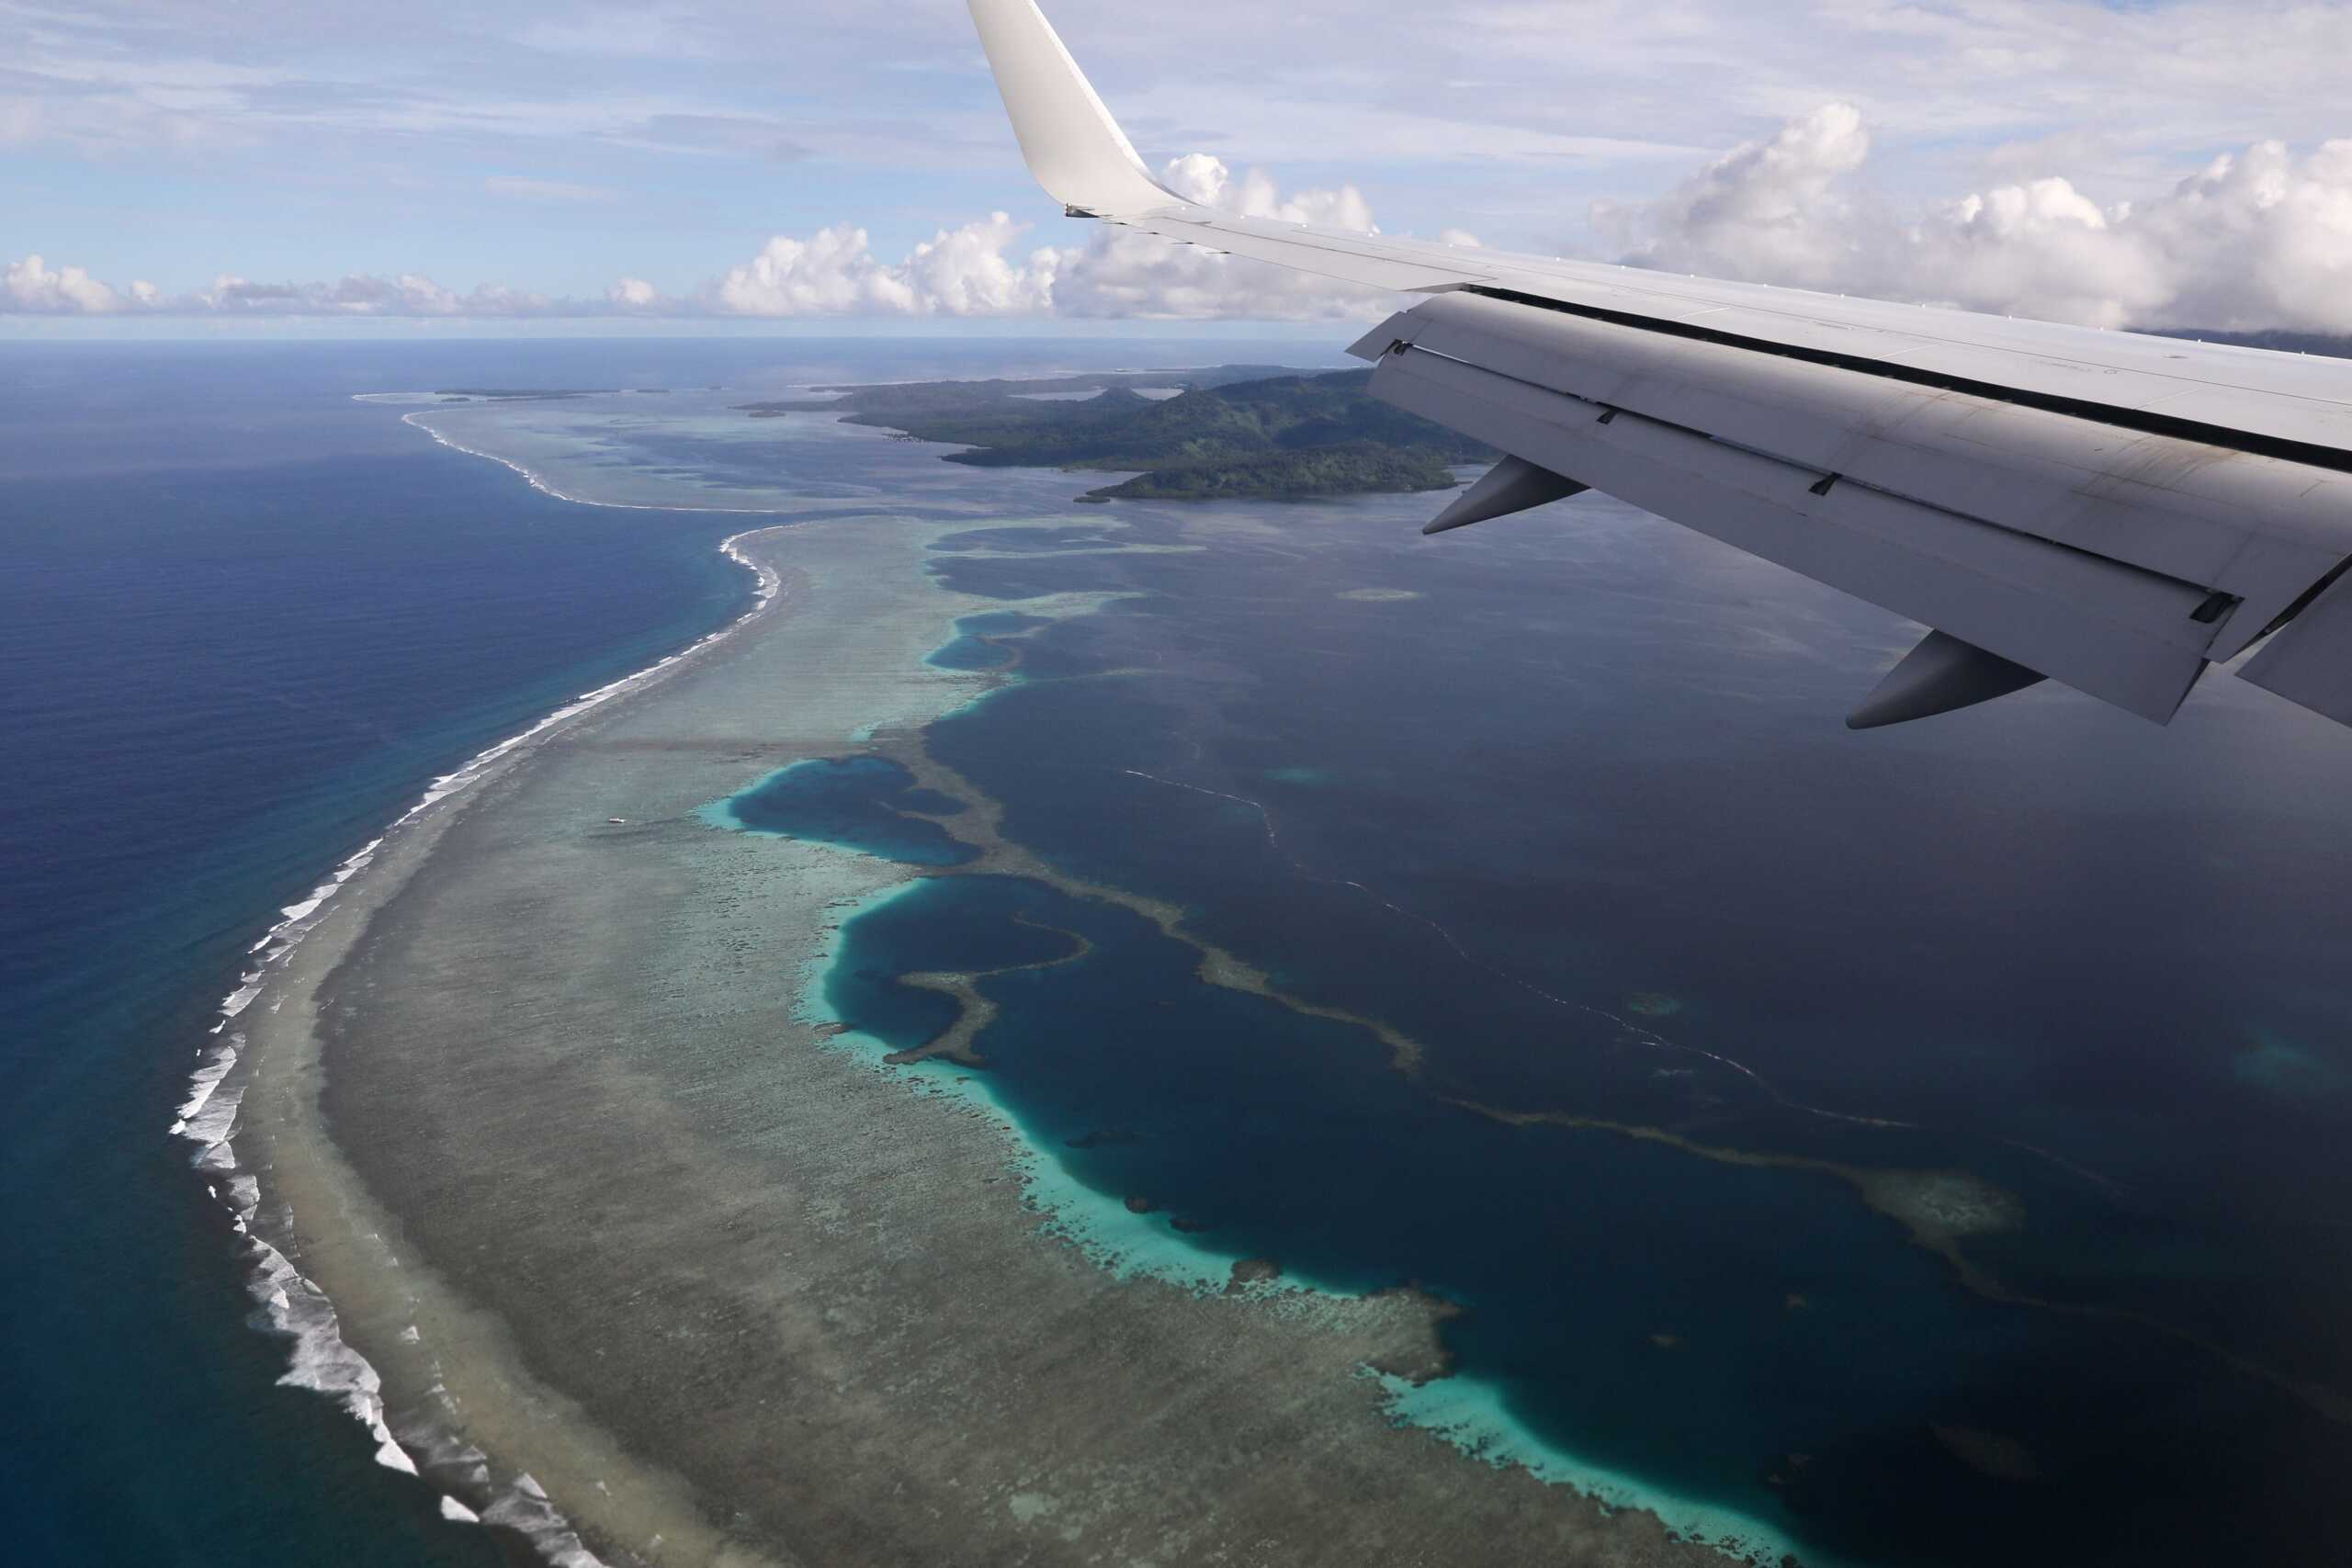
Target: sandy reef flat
x,y
543,1108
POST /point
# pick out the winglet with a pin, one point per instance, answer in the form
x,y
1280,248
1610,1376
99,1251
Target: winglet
x,y
1074,147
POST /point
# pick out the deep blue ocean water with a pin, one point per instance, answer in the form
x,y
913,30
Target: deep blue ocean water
x,y
242,621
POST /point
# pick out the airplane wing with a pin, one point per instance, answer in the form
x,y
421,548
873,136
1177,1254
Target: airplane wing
x,y
2108,510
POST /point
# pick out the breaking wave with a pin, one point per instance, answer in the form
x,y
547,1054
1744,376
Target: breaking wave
x,y
289,1305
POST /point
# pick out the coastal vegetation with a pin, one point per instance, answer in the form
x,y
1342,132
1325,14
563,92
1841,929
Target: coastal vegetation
x,y
2277,340
1234,433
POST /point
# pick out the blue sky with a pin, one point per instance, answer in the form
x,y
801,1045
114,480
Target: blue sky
x,y
543,153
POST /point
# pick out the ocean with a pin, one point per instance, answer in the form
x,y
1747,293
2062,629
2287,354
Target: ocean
x,y
1928,1146
244,622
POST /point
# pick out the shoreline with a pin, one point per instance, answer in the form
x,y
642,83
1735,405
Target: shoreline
x,y
547,487
293,1306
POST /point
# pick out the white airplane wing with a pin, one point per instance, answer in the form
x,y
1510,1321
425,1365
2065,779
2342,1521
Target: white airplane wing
x,y
2103,509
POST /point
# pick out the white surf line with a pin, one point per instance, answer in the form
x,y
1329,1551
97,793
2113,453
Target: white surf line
x,y
539,482
293,1305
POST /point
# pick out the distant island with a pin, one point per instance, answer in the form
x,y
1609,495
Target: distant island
x,y
518,394
1236,433
531,394
2278,341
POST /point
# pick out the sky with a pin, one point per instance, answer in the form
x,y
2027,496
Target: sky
x,y
845,164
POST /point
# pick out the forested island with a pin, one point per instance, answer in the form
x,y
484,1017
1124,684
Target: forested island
x,y
518,394
1239,432
533,394
2277,340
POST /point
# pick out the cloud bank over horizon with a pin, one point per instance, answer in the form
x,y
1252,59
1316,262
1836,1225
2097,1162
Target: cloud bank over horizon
x,y
2254,239
602,161
979,269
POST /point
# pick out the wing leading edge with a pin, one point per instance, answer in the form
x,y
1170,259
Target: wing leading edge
x,y
2110,510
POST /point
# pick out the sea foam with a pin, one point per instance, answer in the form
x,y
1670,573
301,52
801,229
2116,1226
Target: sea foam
x,y
289,1305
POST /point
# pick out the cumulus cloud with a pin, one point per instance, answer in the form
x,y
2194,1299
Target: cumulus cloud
x,y
832,272
33,285
1122,272
2258,238
956,272
360,295
1769,209
980,270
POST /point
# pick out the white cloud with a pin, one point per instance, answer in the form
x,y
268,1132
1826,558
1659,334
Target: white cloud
x,y
2255,240
977,270
32,285
360,295
1126,273
832,272
2263,239
1503,113
968,271
1772,209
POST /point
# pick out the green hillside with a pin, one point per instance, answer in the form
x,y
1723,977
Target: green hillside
x,y
1232,434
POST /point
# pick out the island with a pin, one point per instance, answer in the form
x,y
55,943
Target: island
x,y
2328,345
1238,433
1234,432
519,394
